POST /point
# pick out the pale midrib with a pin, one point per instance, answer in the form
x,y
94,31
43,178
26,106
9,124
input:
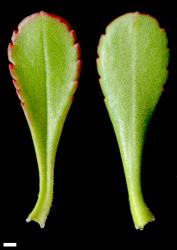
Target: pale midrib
x,y
45,52
133,62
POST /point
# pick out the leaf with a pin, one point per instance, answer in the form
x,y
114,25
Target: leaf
x,y
132,64
45,67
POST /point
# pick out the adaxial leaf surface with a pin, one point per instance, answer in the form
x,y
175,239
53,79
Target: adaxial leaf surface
x,y
132,65
45,68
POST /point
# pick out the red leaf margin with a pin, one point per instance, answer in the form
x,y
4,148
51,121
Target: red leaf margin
x,y
13,41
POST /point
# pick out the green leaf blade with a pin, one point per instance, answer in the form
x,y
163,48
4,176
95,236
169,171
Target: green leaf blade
x,y
45,67
132,64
